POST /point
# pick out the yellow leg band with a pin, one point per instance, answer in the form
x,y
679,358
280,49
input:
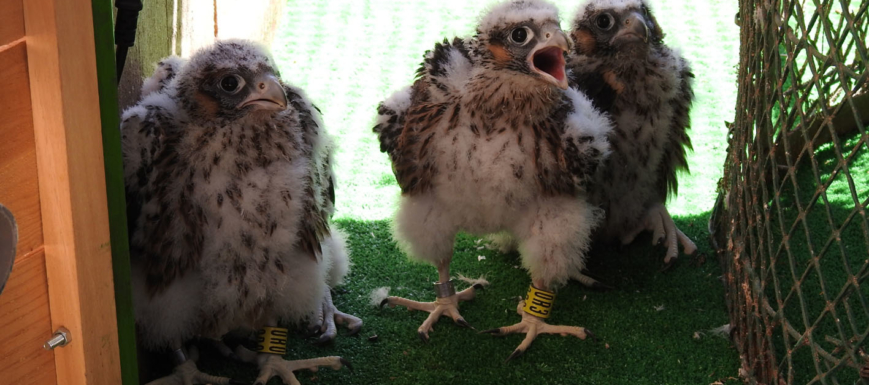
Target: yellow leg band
x,y
538,302
272,340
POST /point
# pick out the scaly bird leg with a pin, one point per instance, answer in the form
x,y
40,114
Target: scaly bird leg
x,y
328,316
186,372
664,230
446,304
271,364
533,323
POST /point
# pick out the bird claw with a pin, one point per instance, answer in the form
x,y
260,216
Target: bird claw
x,y
327,319
665,233
188,374
314,329
461,322
597,285
668,266
354,330
446,306
591,282
325,339
516,354
346,363
533,326
272,365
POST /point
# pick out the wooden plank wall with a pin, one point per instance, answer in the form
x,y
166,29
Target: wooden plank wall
x,y
72,189
25,321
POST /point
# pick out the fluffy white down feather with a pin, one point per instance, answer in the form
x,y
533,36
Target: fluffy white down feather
x,y
507,13
551,231
177,312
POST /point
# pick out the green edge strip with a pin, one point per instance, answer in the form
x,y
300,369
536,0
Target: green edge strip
x,y
104,41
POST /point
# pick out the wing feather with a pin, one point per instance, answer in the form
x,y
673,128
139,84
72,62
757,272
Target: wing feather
x,y
675,154
319,197
150,137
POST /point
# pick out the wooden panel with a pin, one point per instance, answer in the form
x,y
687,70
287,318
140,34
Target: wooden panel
x,y
20,188
12,25
72,190
25,324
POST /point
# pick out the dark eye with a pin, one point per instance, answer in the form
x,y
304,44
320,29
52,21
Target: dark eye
x,y
521,35
231,83
604,21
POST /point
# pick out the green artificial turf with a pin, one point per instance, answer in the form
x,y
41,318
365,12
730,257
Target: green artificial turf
x,y
653,329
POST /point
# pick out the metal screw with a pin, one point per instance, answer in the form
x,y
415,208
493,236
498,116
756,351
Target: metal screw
x,y
61,338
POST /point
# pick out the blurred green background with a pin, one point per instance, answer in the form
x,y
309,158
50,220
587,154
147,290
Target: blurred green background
x,y
350,54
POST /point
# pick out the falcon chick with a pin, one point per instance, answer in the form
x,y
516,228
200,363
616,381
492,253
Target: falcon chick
x,y
229,194
621,62
490,139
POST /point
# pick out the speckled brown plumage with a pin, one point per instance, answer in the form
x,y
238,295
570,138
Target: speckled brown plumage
x,y
621,62
490,139
230,191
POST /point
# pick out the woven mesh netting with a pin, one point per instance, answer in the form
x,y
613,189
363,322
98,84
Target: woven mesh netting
x,y
790,223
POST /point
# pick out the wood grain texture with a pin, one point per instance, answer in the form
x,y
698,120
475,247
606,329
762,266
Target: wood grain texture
x,y
25,324
69,155
11,21
19,190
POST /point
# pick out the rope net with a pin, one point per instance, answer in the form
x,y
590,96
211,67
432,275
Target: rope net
x,y
790,222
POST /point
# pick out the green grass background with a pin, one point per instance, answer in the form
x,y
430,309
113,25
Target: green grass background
x,y
350,54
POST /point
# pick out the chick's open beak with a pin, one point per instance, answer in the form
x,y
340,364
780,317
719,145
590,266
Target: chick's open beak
x,y
267,94
547,58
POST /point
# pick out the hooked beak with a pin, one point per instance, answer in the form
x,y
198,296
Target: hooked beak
x,y
634,30
547,58
268,94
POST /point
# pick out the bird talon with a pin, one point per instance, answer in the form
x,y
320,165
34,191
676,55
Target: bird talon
x,y
492,331
346,364
597,285
463,323
478,286
384,302
591,335
669,265
516,354
423,336
354,331
325,339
